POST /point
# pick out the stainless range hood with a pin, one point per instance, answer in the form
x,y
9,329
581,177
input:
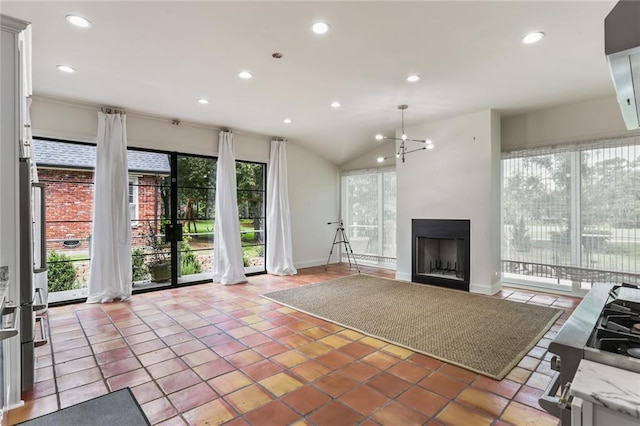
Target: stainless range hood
x,y
622,47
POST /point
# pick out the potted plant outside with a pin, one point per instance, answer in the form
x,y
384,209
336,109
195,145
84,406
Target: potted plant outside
x,y
158,262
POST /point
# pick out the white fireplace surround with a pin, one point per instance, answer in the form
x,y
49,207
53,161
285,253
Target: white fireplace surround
x,y
460,179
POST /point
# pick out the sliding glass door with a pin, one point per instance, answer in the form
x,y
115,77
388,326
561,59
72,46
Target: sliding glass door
x,y
196,178
186,225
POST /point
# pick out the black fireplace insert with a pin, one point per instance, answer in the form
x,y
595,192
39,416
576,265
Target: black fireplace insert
x,y
441,252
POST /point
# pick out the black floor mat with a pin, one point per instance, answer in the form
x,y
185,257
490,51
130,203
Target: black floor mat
x,y
117,408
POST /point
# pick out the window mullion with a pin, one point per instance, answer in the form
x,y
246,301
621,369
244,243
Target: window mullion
x,y
346,208
575,220
380,213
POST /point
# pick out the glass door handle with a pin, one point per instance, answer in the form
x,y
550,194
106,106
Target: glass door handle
x,y
172,232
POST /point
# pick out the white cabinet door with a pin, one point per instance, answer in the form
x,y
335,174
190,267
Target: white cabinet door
x,y
576,412
584,413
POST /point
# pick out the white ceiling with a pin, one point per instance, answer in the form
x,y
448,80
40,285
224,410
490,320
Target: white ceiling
x,y
160,57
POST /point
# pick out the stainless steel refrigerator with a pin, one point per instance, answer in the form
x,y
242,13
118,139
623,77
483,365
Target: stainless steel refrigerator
x,y
33,297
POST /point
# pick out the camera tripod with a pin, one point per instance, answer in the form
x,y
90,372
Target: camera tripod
x,y
341,238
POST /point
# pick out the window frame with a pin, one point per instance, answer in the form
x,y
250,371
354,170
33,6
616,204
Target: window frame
x,y
135,195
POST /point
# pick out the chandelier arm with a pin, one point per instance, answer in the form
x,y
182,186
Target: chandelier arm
x,y
414,150
406,140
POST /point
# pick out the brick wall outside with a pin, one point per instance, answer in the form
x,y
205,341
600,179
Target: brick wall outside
x,y
149,205
69,207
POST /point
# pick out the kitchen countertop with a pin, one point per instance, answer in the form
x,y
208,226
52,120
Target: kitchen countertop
x,y
607,386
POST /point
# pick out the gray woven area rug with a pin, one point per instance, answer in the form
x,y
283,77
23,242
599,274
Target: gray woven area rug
x,y
480,333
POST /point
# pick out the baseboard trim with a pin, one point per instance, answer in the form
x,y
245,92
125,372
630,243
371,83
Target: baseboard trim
x,y
14,406
488,289
402,276
311,263
473,288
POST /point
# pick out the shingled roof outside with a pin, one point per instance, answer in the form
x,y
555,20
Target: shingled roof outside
x,y
78,156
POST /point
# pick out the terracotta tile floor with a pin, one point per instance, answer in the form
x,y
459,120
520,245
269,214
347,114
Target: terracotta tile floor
x,y
210,354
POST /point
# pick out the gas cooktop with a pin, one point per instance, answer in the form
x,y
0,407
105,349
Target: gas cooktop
x,y
618,327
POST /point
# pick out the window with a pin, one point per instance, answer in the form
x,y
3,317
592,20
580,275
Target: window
x,y
133,200
571,215
369,214
67,170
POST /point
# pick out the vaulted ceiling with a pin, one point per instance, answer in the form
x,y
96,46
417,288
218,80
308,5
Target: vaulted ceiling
x,y
161,57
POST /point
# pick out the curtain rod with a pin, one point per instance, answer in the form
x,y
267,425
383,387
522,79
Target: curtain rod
x,y
108,110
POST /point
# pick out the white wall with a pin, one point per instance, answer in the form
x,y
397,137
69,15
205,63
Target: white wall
x,y
370,159
459,179
314,199
597,118
313,181
77,122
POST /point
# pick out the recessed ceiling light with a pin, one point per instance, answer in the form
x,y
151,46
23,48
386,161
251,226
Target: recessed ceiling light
x,y
286,120
203,101
413,78
379,137
66,68
430,146
78,21
335,104
380,159
320,27
245,75
532,38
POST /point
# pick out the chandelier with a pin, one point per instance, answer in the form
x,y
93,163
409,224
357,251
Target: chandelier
x,y
403,149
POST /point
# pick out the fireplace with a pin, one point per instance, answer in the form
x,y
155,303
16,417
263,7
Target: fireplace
x,y
440,252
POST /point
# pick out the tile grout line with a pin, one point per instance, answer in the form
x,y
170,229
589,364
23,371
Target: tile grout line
x,y
245,300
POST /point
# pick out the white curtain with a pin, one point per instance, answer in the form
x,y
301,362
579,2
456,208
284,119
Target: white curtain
x,y
110,270
228,267
279,249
